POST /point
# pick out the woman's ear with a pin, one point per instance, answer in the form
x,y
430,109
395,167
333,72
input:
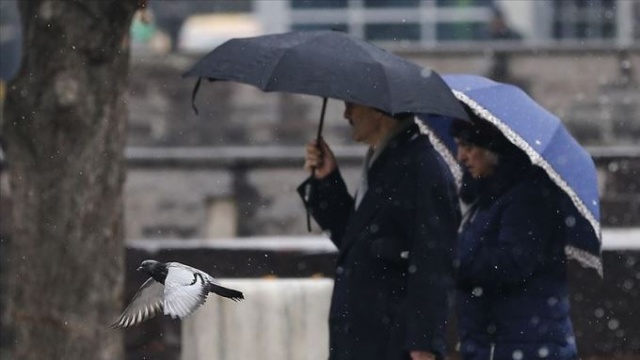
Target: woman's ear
x,y
492,157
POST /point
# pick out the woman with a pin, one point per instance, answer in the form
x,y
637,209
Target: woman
x,y
512,285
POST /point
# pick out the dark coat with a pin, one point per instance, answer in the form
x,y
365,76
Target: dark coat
x,y
394,266
512,286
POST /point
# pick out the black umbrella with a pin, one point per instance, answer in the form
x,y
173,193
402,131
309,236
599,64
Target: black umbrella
x,y
329,64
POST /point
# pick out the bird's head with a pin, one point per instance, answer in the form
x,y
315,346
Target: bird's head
x,y
148,266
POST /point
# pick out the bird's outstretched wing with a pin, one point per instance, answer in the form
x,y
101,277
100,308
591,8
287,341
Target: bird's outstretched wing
x,y
185,289
146,303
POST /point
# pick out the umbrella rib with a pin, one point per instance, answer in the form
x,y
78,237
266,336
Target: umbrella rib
x,y
387,84
537,159
329,64
268,74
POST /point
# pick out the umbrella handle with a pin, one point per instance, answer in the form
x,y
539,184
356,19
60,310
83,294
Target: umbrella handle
x,y
307,196
308,189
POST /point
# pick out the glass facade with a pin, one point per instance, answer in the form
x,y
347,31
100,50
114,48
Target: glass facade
x,y
434,21
419,21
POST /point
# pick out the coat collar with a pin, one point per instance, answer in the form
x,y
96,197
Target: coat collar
x,y
381,174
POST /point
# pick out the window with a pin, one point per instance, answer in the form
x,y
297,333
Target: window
x,y
460,31
317,4
463,3
314,27
392,32
464,21
584,19
391,3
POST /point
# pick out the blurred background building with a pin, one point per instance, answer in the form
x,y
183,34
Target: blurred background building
x,y
195,25
231,172
419,22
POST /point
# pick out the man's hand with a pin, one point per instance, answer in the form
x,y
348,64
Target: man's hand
x,y
422,355
320,157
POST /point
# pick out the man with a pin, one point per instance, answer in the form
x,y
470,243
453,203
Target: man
x,y
395,240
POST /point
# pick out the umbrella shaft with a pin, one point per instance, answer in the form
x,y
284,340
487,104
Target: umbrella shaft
x,y
324,108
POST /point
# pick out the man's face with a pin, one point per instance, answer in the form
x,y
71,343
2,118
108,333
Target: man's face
x,y
365,122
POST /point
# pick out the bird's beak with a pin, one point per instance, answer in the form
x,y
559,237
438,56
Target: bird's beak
x,y
139,268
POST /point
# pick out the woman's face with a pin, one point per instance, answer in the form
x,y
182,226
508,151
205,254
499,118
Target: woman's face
x,y
478,161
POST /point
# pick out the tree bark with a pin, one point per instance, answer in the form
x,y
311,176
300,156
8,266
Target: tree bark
x,y
64,136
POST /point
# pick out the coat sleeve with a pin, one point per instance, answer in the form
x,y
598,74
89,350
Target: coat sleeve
x,y
329,203
525,224
430,268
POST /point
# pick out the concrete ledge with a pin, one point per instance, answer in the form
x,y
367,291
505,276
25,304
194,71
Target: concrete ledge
x,y
312,244
621,239
612,239
284,319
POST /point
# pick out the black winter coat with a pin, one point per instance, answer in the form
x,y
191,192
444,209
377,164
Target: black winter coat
x,y
513,297
394,264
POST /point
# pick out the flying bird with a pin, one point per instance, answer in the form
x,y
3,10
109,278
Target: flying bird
x,y
174,288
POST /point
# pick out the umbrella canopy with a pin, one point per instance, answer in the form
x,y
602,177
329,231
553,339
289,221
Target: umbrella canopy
x,y
330,64
548,144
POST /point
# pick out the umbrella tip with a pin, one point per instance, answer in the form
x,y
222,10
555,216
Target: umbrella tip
x,y
193,95
426,73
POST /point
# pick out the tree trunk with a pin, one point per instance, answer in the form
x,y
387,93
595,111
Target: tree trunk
x,y
64,136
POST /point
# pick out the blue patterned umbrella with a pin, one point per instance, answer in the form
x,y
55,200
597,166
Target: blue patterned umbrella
x,y
543,137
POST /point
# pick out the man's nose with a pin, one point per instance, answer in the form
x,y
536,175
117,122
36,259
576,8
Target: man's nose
x,y
347,111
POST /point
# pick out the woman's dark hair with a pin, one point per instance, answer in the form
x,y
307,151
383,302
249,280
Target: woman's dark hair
x,y
399,116
480,133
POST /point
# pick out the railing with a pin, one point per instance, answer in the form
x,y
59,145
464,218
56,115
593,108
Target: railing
x,y
260,156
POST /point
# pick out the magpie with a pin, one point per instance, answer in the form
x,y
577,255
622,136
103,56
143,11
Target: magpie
x,y
174,288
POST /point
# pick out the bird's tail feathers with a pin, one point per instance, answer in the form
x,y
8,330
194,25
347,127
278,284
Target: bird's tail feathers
x,y
234,295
